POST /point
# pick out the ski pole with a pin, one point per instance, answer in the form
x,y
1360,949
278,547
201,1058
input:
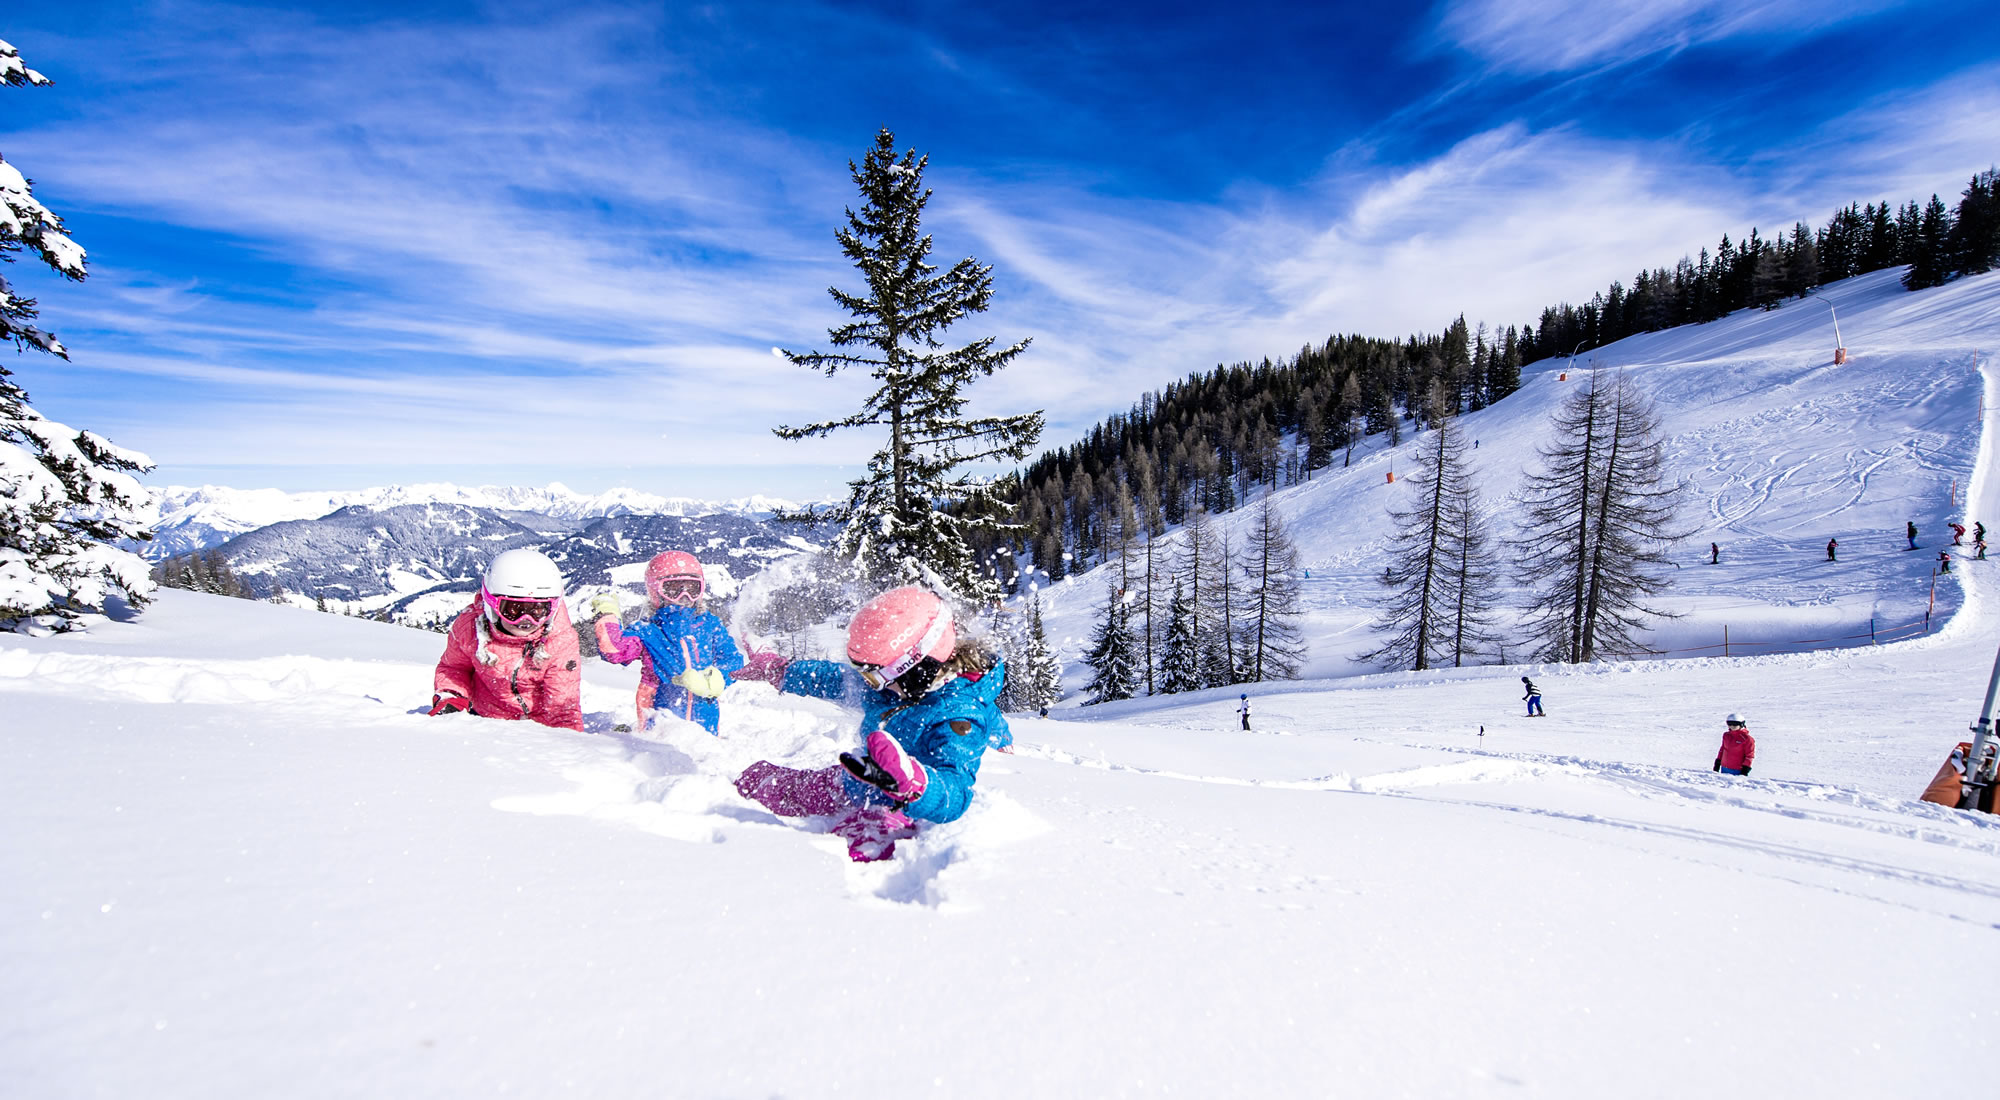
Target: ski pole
x,y
1975,764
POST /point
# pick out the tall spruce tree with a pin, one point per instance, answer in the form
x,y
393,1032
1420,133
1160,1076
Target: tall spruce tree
x,y
1274,649
897,529
1113,656
1180,653
1043,671
1974,241
1598,516
67,497
1930,253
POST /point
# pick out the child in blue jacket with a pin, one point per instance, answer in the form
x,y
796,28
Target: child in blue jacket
x,y
686,653
929,709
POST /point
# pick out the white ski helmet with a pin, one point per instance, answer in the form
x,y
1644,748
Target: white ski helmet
x,y
524,573
1735,719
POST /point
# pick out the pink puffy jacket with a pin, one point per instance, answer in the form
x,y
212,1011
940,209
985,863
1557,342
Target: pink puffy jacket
x,y
535,678
1739,749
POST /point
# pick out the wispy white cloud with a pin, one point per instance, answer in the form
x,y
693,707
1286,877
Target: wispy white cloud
x,y
446,237
1559,36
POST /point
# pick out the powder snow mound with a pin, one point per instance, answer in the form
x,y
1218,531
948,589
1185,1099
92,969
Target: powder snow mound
x,y
228,843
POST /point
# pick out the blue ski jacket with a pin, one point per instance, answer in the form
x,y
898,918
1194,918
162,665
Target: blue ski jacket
x,y
678,639
946,731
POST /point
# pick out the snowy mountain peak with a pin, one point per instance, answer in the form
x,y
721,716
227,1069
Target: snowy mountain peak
x,y
194,518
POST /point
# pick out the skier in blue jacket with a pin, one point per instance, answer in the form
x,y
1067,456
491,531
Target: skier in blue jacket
x,y
929,710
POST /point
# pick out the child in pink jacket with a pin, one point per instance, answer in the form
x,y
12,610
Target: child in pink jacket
x,y
1738,750
513,653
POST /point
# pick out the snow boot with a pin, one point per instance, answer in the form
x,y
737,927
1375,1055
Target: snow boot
x,y
871,832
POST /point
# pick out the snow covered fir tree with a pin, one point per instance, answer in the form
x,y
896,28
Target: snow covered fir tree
x,y
67,497
907,520
1113,656
1034,672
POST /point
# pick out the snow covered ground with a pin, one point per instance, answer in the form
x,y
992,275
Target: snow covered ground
x,y
238,862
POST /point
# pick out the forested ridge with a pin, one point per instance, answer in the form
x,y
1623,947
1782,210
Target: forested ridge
x,y
1209,441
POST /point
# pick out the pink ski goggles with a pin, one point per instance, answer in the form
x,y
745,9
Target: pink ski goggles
x,y
519,610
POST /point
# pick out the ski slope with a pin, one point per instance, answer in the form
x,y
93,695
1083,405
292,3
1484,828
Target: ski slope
x,y
239,862
1779,451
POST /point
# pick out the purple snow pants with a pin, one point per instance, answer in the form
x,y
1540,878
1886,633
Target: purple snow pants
x,y
870,829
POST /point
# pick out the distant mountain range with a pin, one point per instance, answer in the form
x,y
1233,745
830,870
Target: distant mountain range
x,y
417,552
210,515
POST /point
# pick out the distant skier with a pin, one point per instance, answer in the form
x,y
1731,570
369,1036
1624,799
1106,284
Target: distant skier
x,y
1978,531
513,654
1978,549
1243,710
1738,747
929,711
1910,530
685,653
1957,533
1533,695
1714,554
1831,546
1944,561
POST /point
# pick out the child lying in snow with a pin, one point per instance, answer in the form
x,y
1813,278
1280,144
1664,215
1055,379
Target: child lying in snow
x,y
929,708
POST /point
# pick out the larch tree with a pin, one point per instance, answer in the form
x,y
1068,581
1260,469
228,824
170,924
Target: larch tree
x,y
897,530
1418,610
67,497
1274,649
1475,580
1597,519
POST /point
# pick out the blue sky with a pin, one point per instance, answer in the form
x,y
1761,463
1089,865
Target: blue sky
x,y
517,244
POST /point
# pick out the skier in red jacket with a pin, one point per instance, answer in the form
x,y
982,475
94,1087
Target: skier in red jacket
x,y
1738,747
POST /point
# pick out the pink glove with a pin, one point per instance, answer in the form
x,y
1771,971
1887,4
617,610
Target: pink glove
x,y
888,768
767,668
448,704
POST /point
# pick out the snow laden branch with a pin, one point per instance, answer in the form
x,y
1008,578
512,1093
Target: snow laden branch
x,y
897,530
68,502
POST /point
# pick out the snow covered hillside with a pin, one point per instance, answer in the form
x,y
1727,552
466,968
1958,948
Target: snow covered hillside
x,y
240,862
1780,451
239,865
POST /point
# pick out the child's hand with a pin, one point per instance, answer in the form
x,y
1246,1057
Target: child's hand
x,y
888,768
604,603
766,668
705,682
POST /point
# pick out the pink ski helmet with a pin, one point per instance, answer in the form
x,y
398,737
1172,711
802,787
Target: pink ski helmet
x,y
900,631
674,577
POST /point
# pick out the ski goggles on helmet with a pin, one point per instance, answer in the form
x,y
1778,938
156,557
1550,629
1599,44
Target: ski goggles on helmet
x,y
521,610
910,681
678,589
